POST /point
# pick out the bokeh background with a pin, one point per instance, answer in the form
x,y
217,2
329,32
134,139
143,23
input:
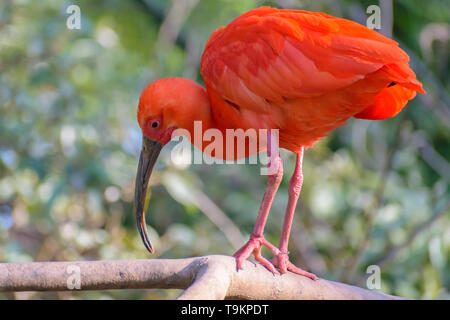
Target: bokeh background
x,y
375,192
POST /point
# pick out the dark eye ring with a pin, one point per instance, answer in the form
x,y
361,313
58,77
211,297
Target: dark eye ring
x,y
155,124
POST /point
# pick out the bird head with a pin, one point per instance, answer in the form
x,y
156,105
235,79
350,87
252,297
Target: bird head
x,y
164,106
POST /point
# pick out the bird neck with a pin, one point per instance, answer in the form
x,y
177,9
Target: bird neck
x,y
194,116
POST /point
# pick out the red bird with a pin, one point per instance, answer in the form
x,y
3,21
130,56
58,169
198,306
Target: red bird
x,y
302,73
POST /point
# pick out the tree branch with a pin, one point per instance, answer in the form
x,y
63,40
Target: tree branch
x,y
209,277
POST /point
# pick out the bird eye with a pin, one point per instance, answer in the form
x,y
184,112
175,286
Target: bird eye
x,y
155,124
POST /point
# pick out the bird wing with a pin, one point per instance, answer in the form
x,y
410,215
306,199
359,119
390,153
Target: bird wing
x,y
268,56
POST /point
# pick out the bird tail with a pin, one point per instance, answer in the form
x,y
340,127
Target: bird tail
x,y
391,100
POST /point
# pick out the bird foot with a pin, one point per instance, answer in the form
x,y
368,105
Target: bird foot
x,y
281,261
254,246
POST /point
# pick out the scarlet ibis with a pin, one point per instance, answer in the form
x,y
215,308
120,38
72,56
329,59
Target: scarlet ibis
x,y
302,73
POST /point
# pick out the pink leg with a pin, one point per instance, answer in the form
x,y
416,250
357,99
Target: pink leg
x,y
257,239
295,186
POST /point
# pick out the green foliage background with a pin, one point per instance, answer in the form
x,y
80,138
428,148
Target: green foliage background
x,y
69,145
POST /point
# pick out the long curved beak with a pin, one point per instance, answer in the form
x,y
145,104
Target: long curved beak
x,y
149,154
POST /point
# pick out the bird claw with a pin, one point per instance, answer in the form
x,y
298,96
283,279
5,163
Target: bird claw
x,y
254,246
281,261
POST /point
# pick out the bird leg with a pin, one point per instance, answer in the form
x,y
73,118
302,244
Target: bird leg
x,y
257,239
281,260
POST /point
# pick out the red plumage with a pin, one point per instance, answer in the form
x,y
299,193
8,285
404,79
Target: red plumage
x,y
304,73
